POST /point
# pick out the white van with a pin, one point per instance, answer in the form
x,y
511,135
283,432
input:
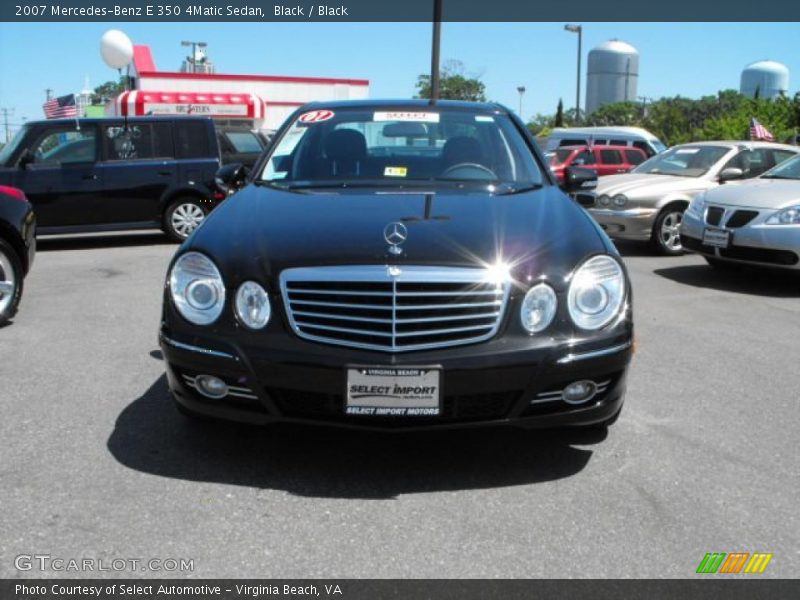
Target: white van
x,y
615,136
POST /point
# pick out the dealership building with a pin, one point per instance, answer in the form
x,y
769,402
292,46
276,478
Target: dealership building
x,y
256,101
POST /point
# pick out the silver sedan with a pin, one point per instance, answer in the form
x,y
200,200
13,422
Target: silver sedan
x,y
647,204
757,222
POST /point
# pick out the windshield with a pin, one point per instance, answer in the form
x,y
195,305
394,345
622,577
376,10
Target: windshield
x,y
658,145
561,155
358,146
11,146
789,169
683,161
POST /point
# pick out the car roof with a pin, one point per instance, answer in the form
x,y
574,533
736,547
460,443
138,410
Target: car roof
x,y
415,103
606,130
741,144
101,120
601,146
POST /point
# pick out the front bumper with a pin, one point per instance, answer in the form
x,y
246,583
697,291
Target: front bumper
x,y
755,243
286,379
626,224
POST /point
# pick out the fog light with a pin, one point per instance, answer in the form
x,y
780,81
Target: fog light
x,y
211,387
579,392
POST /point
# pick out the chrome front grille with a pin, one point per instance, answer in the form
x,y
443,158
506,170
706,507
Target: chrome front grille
x,y
394,309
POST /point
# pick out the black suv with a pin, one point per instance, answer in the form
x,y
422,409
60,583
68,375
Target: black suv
x,y
84,175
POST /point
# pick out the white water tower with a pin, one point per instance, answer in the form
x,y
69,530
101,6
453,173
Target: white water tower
x,y
612,74
770,78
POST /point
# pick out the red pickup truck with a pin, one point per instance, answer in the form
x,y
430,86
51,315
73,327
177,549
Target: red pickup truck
x,y
606,160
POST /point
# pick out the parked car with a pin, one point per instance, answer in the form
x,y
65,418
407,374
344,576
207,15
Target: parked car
x,y
757,222
634,137
17,248
604,160
647,204
84,175
399,264
240,145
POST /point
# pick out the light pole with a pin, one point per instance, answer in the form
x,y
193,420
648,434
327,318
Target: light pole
x,y
195,46
436,42
579,30
521,90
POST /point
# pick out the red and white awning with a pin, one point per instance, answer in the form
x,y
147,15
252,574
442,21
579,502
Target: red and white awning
x,y
138,103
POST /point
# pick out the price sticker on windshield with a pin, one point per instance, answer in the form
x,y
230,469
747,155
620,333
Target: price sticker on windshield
x,y
414,117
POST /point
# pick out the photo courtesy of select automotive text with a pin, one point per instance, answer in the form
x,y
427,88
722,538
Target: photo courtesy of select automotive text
x,y
432,299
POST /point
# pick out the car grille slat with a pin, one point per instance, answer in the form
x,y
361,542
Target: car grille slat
x,y
714,215
741,218
393,309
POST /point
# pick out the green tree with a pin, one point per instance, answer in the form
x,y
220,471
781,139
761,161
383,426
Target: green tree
x,y
105,91
454,84
559,120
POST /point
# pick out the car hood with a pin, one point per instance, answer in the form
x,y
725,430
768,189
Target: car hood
x,y
757,193
644,185
260,231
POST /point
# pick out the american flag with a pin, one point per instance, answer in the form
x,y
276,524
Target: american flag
x,y
759,132
63,106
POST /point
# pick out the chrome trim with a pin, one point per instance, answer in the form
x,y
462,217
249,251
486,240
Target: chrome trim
x,y
573,357
198,349
495,302
233,390
557,395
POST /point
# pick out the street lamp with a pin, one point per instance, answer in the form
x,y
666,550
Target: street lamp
x,y
195,46
579,30
521,90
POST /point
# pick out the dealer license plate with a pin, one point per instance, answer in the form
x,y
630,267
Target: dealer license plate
x,y
393,391
719,238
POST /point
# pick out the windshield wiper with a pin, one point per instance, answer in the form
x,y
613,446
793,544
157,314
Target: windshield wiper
x,y
777,177
508,189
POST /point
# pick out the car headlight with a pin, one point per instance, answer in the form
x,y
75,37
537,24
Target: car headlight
x,y
620,200
538,308
252,305
603,200
697,206
596,292
197,288
787,216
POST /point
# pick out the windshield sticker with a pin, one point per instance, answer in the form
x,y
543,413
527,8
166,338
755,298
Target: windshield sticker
x,y
416,117
395,171
687,150
316,116
484,119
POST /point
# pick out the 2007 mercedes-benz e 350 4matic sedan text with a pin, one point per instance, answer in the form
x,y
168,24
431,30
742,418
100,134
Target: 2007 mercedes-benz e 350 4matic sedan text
x,y
399,264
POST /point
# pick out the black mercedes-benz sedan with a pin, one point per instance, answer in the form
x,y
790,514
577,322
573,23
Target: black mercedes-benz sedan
x,y
399,265
17,248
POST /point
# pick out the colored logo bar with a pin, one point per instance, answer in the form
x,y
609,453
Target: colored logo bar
x,y
734,563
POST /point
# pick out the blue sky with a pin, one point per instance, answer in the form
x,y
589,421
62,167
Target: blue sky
x,y
690,59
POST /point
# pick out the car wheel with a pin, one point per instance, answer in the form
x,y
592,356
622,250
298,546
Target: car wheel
x,y
666,232
10,281
182,217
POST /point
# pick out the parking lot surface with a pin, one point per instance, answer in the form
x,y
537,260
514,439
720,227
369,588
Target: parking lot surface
x,y
96,462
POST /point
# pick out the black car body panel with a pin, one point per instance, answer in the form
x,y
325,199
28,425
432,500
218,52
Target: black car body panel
x,y
98,184
261,231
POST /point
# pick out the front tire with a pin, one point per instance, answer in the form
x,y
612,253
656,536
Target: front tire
x,y
10,281
182,217
666,238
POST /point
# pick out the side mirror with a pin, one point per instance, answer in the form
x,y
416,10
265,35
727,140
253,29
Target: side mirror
x,y
27,158
577,179
230,178
730,173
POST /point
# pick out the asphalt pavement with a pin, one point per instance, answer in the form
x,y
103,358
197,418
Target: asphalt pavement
x,y
96,462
